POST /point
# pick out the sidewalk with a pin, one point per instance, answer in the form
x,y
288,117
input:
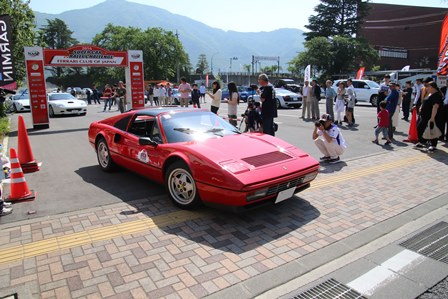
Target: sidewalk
x,y
126,251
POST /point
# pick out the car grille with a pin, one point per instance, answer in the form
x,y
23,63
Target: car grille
x,y
266,159
74,109
284,185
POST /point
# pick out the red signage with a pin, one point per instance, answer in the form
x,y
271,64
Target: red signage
x,y
36,86
134,75
85,55
442,66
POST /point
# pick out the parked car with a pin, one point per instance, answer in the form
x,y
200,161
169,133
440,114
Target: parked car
x,y
243,91
366,90
85,89
197,155
19,102
78,90
284,98
63,103
288,84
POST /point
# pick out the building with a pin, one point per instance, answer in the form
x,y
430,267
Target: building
x,y
404,35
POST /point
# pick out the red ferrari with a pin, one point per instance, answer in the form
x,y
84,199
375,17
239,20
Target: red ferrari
x,y
201,158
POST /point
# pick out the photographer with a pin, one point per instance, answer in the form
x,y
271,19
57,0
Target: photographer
x,y
328,139
269,107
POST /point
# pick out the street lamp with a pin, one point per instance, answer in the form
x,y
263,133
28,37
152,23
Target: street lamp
x,y
232,58
211,62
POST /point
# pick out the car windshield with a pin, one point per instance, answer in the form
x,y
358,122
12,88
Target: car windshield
x,y
373,84
61,96
283,91
195,126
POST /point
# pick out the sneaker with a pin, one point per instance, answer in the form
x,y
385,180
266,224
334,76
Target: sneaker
x,y
6,211
325,158
419,145
7,204
431,149
334,160
375,141
388,142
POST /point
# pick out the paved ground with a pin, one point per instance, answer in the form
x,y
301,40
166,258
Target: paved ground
x,y
138,246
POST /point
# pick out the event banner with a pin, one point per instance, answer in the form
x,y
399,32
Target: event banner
x,y
135,84
84,55
360,73
7,76
36,86
442,66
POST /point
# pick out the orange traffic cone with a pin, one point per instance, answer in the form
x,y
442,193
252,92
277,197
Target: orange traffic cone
x,y
26,157
413,135
19,188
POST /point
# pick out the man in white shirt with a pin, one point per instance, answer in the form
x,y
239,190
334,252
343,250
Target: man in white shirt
x,y
306,100
202,92
328,139
417,90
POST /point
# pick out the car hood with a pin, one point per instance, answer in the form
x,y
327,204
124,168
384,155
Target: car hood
x,y
252,158
69,102
23,101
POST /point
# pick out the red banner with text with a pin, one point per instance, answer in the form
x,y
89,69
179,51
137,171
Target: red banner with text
x,y
442,66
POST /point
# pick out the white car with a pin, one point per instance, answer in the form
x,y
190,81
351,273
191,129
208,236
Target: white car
x,y
65,104
20,102
283,98
366,90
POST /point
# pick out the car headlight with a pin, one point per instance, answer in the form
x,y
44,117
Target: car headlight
x,y
60,105
257,194
234,167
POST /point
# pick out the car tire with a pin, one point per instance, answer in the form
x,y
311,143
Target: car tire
x,y
181,186
103,155
277,102
51,112
374,100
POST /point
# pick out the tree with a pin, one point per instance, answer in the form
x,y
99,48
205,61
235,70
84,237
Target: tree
x,y
247,67
330,56
56,35
337,17
202,65
270,69
162,51
22,25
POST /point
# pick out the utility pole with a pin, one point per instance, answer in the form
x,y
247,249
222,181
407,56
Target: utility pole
x,y
177,67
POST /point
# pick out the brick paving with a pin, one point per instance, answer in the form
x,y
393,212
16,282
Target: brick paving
x,y
203,255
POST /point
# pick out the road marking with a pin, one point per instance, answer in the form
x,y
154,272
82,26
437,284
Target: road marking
x,y
385,273
33,249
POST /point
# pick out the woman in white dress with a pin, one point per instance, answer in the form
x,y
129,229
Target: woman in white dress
x,y
339,106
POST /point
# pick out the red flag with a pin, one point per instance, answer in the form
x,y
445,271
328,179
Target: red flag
x,y
442,66
360,73
206,80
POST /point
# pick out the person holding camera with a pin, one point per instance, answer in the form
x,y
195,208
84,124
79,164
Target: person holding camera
x,y
268,105
328,139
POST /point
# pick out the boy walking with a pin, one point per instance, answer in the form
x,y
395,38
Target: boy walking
x,y
383,124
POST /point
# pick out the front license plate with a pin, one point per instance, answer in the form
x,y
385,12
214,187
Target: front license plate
x,y
285,194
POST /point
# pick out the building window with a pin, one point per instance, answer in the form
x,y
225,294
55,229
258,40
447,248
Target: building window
x,y
393,53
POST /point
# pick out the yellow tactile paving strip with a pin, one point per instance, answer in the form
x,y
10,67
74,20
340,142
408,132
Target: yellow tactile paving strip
x,y
33,249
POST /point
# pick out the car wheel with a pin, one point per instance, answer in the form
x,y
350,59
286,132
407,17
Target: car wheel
x,y
51,112
277,101
374,100
103,155
182,186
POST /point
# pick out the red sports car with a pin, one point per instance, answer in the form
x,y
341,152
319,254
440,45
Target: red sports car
x,y
201,158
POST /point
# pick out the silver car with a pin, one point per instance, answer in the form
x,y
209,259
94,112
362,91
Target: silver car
x,y
365,90
20,102
283,98
65,104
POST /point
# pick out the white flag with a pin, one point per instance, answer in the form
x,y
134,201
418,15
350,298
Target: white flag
x,y
307,75
406,68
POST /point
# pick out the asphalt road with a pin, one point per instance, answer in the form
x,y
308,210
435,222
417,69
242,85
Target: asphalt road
x,y
70,179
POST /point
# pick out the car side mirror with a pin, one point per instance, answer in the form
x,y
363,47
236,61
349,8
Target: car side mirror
x,y
147,141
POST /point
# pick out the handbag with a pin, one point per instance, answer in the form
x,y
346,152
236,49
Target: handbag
x,y
433,133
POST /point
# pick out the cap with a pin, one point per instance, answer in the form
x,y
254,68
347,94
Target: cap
x,y
326,117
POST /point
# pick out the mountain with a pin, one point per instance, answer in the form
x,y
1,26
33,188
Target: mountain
x,y
196,37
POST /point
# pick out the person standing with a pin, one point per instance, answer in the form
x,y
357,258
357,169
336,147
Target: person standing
x,y
417,93
383,92
89,96
121,96
195,96
406,104
169,94
383,124
185,90
233,101
306,108
430,112
202,90
339,106
315,98
216,95
391,106
350,102
268,105
330,95
156,95
444,121
107,93
162,94
95,95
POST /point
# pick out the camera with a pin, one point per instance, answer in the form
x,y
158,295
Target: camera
x,y
319,123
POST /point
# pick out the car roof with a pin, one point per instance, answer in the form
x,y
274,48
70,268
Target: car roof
x,y
161,110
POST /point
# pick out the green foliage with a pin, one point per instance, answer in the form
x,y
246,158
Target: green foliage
x,y
22,24
202,65
162,51
337,17
270,69
4,125
334,56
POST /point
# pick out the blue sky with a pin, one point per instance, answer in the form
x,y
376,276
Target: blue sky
x,y
252,16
